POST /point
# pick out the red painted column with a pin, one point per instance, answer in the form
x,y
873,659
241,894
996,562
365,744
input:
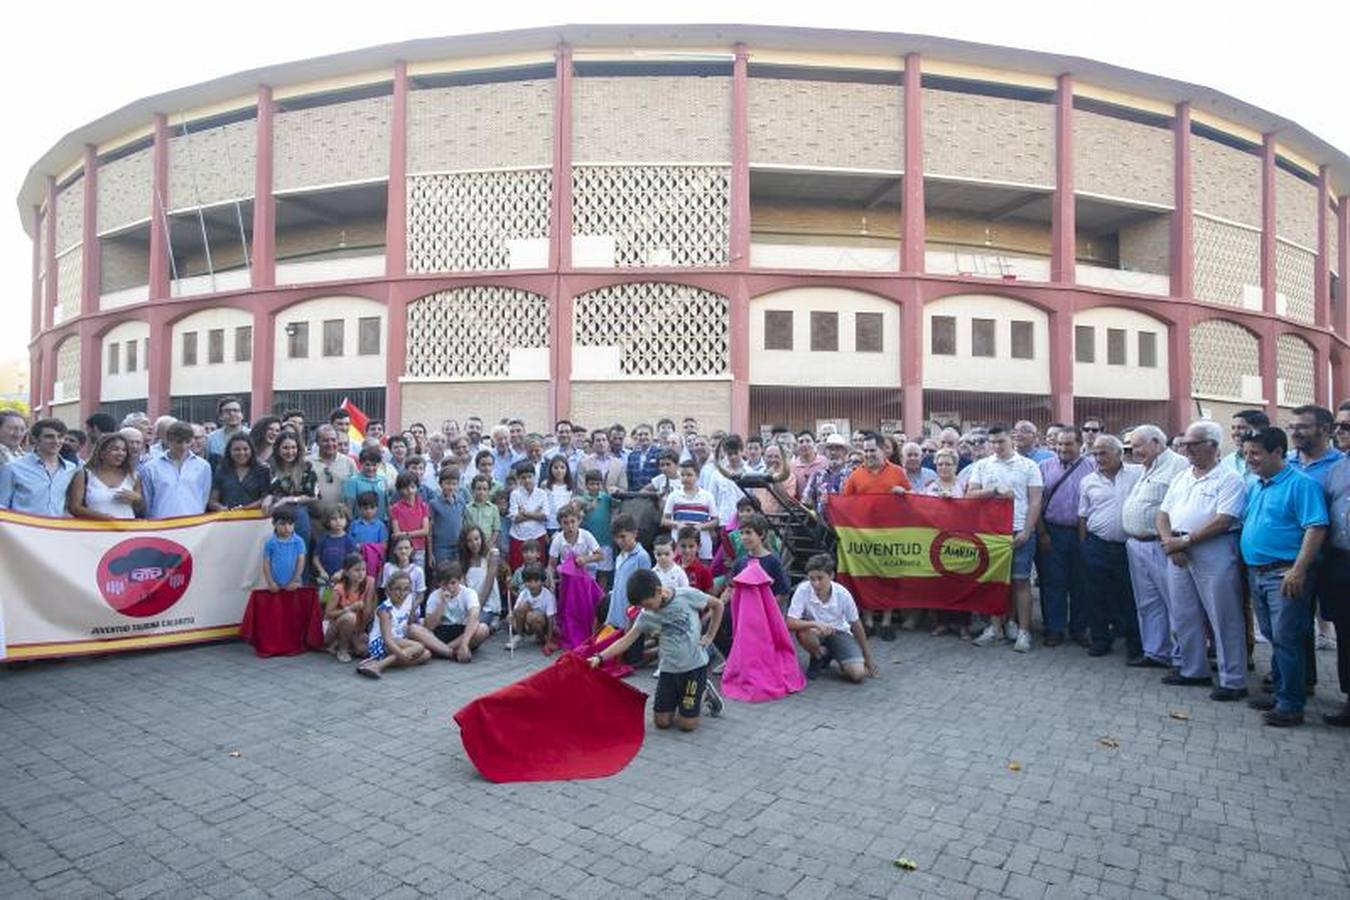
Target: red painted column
x,y
1341,321
1269,364
1061,360
739,353
159,361
1268,230
35,320
49,300
1183,222
396,213
1322,392
1181,407
913,234
91,367
911,360
1063,227
89,249
395,359
35,377
159,204
263,272
560,239
264,361
740,161
1322,274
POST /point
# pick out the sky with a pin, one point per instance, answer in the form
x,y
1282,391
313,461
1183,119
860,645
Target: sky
x,y
99,56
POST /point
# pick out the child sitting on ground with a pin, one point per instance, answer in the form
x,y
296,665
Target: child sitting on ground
x,y
350,607
283,554
683,686
824,619
535,611
451,628
389,644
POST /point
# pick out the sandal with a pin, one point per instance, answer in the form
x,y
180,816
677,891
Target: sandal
x,y
369,671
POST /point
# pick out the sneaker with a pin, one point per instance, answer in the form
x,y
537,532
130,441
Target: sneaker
x,y
1010,630
713,701
1280,719
513,642
989,636
1023,642
720,667
1324,642
814,667
656,673
343,656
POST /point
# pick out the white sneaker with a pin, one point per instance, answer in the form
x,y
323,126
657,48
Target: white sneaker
x,y
989,636
1023,642
1324,642
1261,638
513,642
1010,630
656,673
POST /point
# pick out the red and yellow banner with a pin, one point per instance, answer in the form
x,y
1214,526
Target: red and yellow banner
x,y
908,551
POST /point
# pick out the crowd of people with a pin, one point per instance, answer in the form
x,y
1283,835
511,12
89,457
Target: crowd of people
x,y
424,543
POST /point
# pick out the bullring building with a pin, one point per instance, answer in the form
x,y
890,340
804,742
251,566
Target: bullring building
x,y
749,225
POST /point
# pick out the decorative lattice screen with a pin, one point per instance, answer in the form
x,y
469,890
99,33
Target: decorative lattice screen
x,y
67,370
69,273
656,215
1227,257
660,329
1294,269
464,221
470,332
1295,364
1221,354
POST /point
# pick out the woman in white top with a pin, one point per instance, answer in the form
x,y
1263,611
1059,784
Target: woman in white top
x,y
108,487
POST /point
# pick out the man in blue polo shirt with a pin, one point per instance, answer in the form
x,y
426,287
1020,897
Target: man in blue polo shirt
x,y
1282,531
36,482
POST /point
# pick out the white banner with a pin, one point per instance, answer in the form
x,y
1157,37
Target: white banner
x,y
75,586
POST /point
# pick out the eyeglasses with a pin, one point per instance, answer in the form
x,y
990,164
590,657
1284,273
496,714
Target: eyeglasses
x,y
1093,430
327,475
1195,443
1342,426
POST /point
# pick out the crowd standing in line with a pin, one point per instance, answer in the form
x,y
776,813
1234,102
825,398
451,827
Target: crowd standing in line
x,y
425,543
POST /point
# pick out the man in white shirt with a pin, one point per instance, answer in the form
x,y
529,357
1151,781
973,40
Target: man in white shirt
x,y
1101,495
1006,473
1148,562
1198,522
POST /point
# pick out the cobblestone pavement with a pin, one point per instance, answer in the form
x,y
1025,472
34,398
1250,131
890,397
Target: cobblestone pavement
x,y
207,772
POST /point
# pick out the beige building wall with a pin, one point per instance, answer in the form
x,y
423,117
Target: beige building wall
x,y
122,266
1296,210
988,138
999,374
1120,158
333,144
316,371
845,367
230,376
212,166
480,126
433,401
599,404
126,384
67,412
1227,263
125,190
666,119
1226,182
826,124
1130,381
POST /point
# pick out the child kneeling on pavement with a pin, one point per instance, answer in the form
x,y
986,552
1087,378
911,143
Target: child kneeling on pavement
x,y
824,619
683,685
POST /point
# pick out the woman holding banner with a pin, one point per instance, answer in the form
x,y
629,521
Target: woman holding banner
x,y
108,487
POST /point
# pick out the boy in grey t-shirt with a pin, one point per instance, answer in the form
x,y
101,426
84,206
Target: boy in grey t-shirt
x,y
674,614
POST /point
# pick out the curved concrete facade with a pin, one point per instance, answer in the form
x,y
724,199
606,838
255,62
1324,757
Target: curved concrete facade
x,y
732,222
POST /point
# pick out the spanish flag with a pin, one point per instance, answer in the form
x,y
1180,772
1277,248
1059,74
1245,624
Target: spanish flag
x,y
356,431
908,551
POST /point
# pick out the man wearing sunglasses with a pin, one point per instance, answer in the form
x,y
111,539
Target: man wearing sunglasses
x,y
1340,430
1092,427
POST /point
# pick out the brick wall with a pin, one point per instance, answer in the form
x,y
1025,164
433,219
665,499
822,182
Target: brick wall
x,y
1226,181
991,138
1227,258
432,402
125,188
1119,158
122,265
1147,246
652,119
332,144
480,126
211,166
1296,210
70,215
597,404
826,124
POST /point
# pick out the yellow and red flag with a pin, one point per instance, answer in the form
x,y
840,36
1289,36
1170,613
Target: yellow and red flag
x,y
908,551
359,421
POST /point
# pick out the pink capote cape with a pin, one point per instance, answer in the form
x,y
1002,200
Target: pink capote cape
x,y
578,595
763,661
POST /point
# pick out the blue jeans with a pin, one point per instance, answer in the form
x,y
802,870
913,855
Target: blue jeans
x,y
1286,622
1060,579
1111,612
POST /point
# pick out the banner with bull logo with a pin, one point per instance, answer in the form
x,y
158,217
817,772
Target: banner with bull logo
x,y
75,586
909,551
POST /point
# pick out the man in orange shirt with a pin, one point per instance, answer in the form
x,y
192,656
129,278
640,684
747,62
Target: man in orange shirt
x,y
877,475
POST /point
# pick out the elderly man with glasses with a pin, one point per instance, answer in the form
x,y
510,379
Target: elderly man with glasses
x,y
1101,497
1198,522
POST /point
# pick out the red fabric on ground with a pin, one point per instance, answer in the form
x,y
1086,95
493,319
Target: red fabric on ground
x,y
283,623
565,721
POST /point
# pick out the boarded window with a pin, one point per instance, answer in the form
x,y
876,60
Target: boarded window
x,y
243,343
1023,340
867,332
1115,346
824,331
368,336
132,347
332,337
1148,349
215,346
114,357
943,340
983,337
297,340
1084,343
189,348
777,329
